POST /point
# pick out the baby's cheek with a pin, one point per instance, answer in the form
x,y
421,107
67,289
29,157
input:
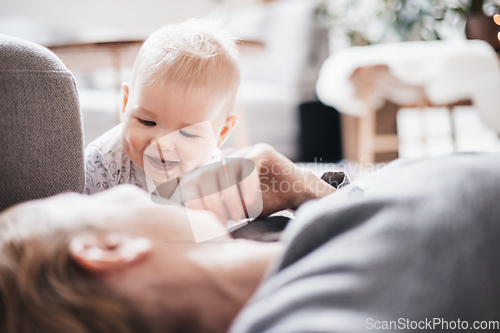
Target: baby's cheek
x,y
137,142
189,160
195,155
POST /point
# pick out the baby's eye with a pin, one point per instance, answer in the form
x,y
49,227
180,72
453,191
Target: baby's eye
x,y
187,135
147,122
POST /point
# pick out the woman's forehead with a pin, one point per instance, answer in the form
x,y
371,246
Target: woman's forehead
x,y
129,203
120,202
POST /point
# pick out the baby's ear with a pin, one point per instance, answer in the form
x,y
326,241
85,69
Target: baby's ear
x,y
125,92
226,129
104,255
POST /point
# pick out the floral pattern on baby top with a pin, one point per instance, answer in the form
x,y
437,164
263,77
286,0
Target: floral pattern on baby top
x,y
107,164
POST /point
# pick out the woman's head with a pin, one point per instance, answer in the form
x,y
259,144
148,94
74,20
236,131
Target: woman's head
x,y
73,263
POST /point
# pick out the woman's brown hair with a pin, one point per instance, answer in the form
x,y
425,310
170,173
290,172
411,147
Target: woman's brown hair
x,y
43,290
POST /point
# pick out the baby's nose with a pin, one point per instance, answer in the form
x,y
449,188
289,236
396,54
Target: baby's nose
x,y
166,142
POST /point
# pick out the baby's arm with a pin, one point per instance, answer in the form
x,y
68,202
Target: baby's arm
x,y
276,184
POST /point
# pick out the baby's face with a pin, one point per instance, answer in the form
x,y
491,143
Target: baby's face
x,y
168,132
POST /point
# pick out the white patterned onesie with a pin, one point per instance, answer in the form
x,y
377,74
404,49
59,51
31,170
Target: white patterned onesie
x,y
107,164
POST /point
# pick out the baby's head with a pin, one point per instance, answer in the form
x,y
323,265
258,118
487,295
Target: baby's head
x,y
179,105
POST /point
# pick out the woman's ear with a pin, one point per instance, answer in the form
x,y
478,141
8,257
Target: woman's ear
x,y
226,129
110,253
125,92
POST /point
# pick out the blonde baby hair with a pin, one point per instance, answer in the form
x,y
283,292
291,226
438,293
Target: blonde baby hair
x,y
196,54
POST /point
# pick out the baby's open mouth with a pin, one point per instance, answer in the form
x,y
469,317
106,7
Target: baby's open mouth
x,y
167,164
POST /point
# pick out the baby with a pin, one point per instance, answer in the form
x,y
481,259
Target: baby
x,y
177,109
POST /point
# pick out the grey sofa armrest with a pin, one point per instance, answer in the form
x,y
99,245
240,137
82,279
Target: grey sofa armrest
x,y
41,140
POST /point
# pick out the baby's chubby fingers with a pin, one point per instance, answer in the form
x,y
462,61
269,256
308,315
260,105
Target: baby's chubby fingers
x,y
244,177
228,192
211,203
233,204
197,204
201,190
230,189
251,194
201,182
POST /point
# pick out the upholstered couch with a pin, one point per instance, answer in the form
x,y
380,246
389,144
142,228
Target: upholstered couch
x,y
41,141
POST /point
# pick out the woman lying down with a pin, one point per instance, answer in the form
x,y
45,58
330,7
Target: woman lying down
x,y
421,244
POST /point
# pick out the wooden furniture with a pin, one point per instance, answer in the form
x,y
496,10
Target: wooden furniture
x,y
373,137
118,54
358,81
87,57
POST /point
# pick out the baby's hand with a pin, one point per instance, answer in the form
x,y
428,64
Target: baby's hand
x,y
228,188
254,181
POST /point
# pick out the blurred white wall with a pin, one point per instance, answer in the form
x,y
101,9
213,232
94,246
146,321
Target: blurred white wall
x,y
276,77
103,19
